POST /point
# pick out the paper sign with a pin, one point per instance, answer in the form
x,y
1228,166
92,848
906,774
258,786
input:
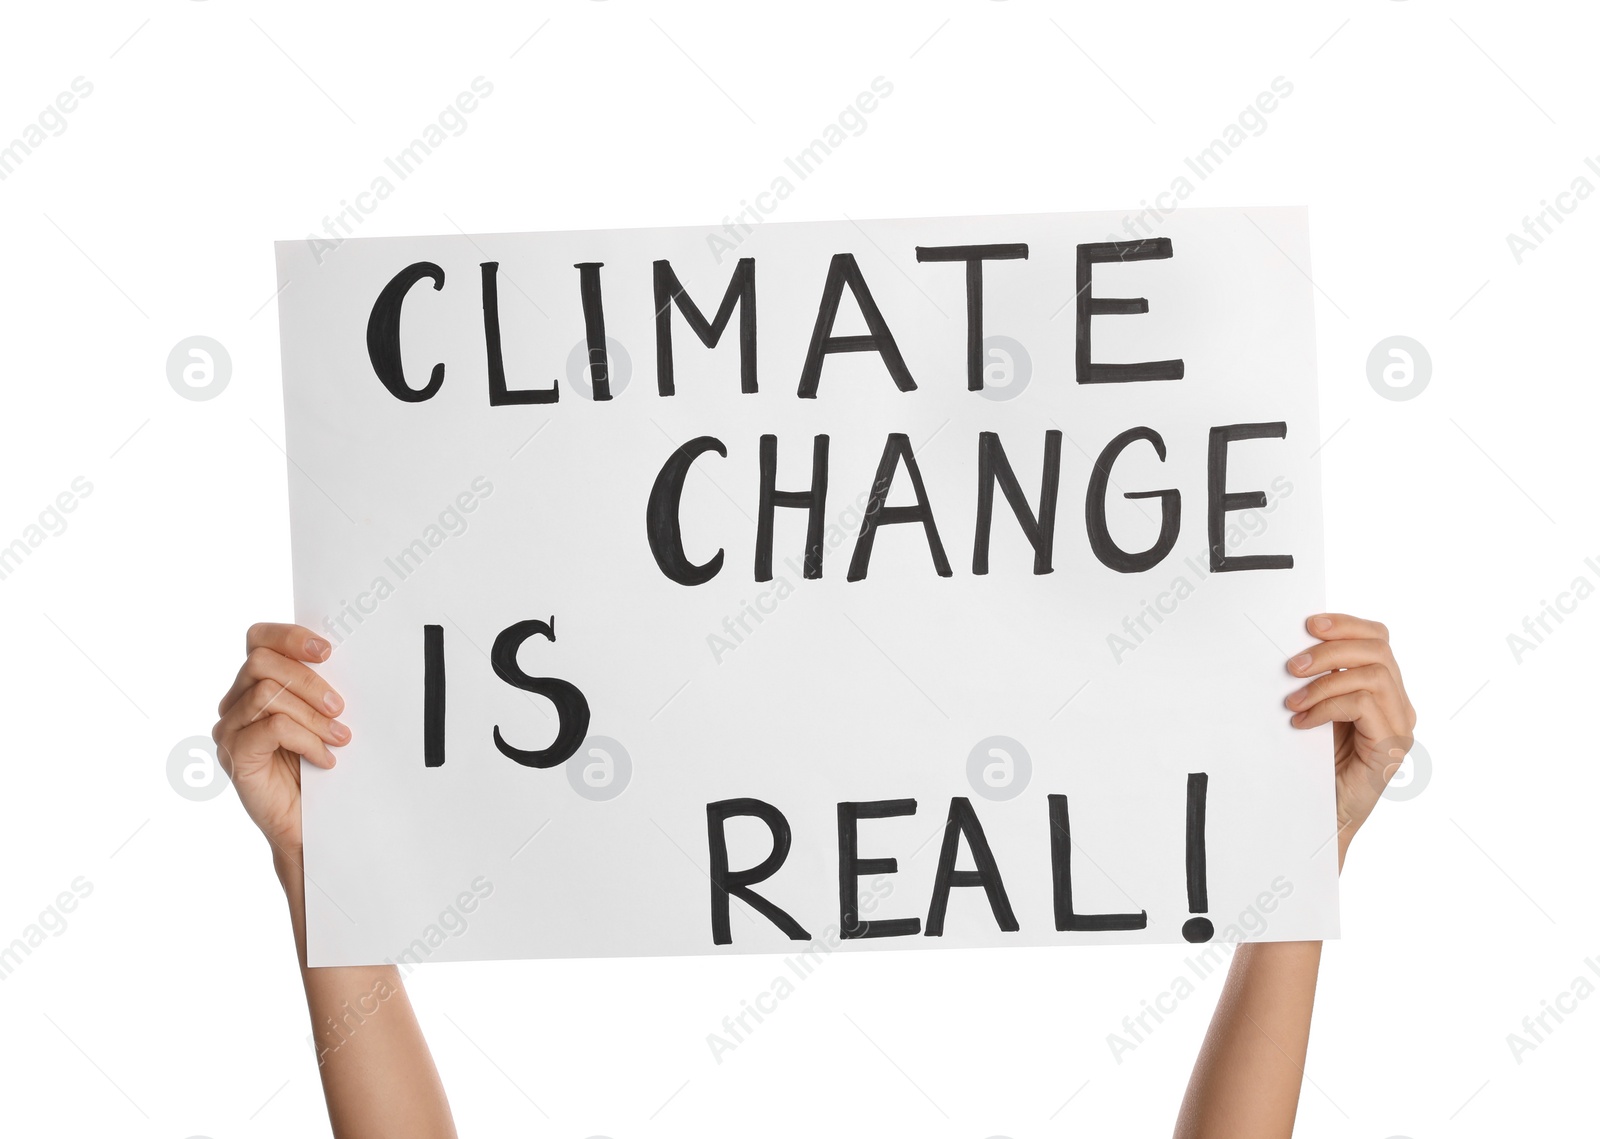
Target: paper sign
x,y
802,588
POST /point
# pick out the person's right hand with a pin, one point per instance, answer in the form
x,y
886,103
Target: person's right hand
x,y
277,711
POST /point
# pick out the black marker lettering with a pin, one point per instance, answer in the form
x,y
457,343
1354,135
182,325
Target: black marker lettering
x,y
1061,877
1090,306
662,525
841,272
572,710
895,450
1109,553
383,333
974,256
813,501
741,291
1194,849
993,466
738,882
963,821
852,868
433,695
594,327
499,394
1220,502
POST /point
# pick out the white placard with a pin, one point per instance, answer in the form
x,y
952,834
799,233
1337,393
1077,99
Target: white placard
x,y
1083,743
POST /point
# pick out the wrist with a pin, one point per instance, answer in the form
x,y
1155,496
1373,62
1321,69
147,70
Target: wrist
x,y
1347,831
288,863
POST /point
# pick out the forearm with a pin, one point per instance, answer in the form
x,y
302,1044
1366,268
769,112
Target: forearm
x,y
377,1074
1246,1080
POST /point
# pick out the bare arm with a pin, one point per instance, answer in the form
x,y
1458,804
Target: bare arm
x,y
377,1075
1246,1080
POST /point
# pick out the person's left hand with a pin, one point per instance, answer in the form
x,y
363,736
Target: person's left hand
x,y
1360,691
277,711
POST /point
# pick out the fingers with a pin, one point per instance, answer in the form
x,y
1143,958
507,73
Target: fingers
x,y
1343,654
1343,627
1359,708
268,664
293,641
265,736
267,697
1373,678
1357,679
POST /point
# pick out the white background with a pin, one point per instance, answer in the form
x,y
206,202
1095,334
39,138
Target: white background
x,y
1419,134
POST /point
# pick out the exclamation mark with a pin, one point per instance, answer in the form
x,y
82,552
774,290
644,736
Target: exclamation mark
x,y
1197,928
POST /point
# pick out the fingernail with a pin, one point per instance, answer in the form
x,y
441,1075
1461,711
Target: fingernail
x,y
1397,753
1295,698
1322,624
1300,662
316,648
1295,719
338,731
331,701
